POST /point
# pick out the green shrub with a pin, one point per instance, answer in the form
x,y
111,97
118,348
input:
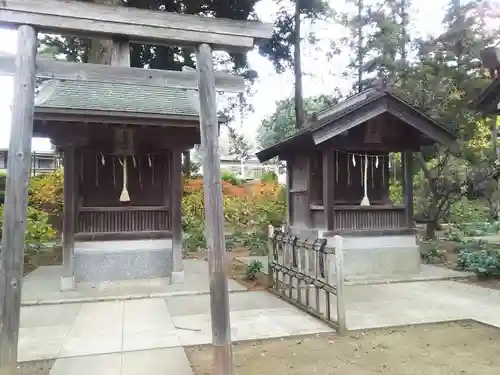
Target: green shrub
x,y
256,242
46,192
479,228
484,262
467,211
194,238
269,176
396,192
432,253
454,234
38,229
253,269
231,178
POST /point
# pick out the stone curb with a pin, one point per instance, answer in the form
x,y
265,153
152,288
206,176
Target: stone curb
x,y
118,298
399,281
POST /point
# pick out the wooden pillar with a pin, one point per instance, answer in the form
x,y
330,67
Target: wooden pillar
x,y
214,215
176,207
289,202
16,196
69,217
406,161
187,163
328,186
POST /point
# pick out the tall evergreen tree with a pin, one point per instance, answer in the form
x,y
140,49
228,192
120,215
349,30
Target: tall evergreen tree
x,y
287,39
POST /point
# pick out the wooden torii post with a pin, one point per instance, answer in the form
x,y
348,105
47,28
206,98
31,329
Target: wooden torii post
x,y
139,26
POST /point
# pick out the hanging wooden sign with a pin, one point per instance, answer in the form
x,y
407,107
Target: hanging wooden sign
x,y
124,141
372,133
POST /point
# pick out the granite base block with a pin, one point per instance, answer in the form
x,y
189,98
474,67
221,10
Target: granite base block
x,y
98,265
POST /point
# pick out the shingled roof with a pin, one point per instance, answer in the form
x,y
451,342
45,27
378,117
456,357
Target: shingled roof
x,y
116,97
354,111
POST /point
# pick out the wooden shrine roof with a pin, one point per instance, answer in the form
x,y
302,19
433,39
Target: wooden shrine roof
x,y
112,98
354,111
487,101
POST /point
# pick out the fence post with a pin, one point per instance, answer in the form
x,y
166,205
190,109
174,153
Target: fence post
x,y
270,256
339,265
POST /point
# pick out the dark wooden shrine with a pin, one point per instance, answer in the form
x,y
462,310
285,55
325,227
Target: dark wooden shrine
x,y
122,149
488,101
327,160
345,148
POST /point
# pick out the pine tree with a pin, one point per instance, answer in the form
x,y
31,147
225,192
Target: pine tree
x,y
356,22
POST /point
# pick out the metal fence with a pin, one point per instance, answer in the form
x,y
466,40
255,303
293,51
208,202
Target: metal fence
x,y
308,275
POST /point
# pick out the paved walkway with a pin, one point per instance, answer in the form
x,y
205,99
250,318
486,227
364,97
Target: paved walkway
x,y
42,286
82,333
145,336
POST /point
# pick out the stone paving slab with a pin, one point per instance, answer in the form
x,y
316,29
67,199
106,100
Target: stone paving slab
x,y
145,324
191,305
42,286
147,362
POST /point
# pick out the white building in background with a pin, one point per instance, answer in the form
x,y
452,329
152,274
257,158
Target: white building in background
x,y
41,162
250,169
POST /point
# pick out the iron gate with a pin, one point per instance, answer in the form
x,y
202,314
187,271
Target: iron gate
x,y
308,275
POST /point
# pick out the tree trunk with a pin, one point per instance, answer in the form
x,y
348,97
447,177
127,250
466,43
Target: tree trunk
x,y
299,103
430,230
359,51
100,50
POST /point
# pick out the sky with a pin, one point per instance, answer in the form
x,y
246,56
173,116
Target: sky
x,y
321,76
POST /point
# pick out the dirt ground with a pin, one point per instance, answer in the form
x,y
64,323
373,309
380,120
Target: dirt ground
x,y
450,262
444,349
237,271
35,367
48,257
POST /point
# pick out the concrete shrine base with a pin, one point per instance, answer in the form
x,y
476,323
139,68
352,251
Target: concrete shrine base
x,y
380,255
123,260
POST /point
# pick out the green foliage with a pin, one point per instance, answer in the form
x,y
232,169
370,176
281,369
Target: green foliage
x,y
46,192
38,229
468,210
459,231
454,234
477,229
247,217
269,176
481,258
231,178
432,253
194,238
238,146
279,48
253,269
256,242
396,192
281,123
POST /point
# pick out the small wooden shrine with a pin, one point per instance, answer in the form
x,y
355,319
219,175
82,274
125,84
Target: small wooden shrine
x,y
488,101
338,178
122,149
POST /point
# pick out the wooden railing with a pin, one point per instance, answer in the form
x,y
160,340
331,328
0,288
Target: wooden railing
x,y
365,218
122,219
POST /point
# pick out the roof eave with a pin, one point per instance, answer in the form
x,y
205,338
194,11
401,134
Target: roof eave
x,y
101,113
484,101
